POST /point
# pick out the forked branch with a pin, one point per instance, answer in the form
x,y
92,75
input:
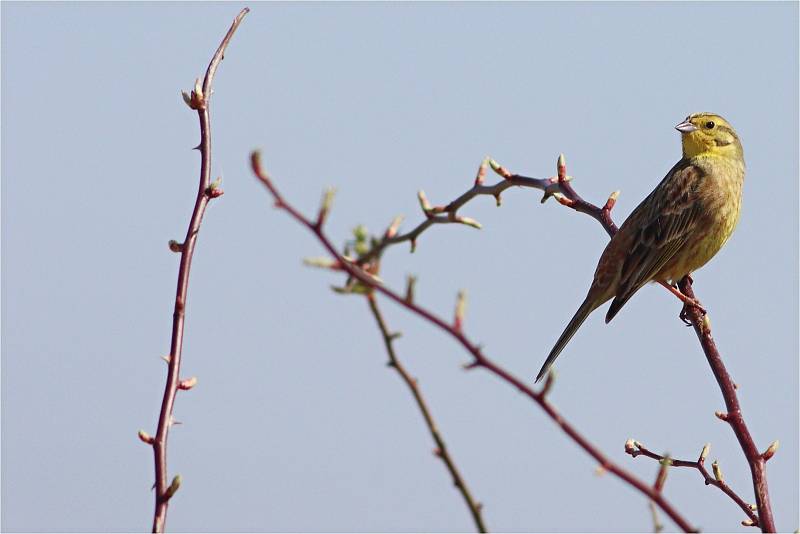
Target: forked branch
x,y
756,460
634,448
555,186
356,271
560,188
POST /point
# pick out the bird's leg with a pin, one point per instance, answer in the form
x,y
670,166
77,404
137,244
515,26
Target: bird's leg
x,y
684,315
687,302
685,310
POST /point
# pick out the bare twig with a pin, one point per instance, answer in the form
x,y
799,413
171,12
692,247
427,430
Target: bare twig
x,y
561,189
734,417
702,327
634,448
556,186
475,508
479,359
199,101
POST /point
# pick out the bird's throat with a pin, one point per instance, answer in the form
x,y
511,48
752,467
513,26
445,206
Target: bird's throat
x,y
694,145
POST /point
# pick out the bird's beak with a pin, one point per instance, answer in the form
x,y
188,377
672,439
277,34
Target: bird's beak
x,y
686,127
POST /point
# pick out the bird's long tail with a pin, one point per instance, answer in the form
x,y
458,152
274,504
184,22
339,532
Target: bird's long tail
x,y
588,306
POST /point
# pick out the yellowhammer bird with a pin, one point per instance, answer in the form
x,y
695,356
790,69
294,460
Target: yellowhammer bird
x,y
677,229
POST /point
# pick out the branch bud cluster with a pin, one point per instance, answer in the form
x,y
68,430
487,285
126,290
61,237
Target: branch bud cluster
x,y
196,100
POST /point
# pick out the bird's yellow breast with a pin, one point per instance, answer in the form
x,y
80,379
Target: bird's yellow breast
x,y
720,198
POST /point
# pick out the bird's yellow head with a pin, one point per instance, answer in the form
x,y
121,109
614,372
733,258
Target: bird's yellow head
x,y
708,134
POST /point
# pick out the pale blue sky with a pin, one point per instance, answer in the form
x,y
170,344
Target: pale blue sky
x,y
296,423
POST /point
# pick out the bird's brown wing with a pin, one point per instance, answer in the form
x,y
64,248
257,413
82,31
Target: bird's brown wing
x,y
663,223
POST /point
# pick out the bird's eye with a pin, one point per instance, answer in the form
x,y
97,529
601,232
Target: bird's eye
x,y
710,124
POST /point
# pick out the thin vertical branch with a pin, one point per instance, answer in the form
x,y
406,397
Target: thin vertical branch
x,y
734,417
475,508
199,100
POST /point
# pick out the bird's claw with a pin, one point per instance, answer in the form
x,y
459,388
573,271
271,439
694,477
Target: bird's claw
x,y
684,315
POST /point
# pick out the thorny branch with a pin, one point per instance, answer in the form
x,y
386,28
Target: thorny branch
x,y
556,186
198,100
757,460
634,448
560,188
475,508
357,271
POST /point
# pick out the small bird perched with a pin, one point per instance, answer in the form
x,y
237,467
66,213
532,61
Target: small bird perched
x,y
677,229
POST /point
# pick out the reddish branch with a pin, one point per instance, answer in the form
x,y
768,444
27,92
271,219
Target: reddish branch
x,y
479,359
199,101
702,326
634,448
734,417
475,508
557,186
560,188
